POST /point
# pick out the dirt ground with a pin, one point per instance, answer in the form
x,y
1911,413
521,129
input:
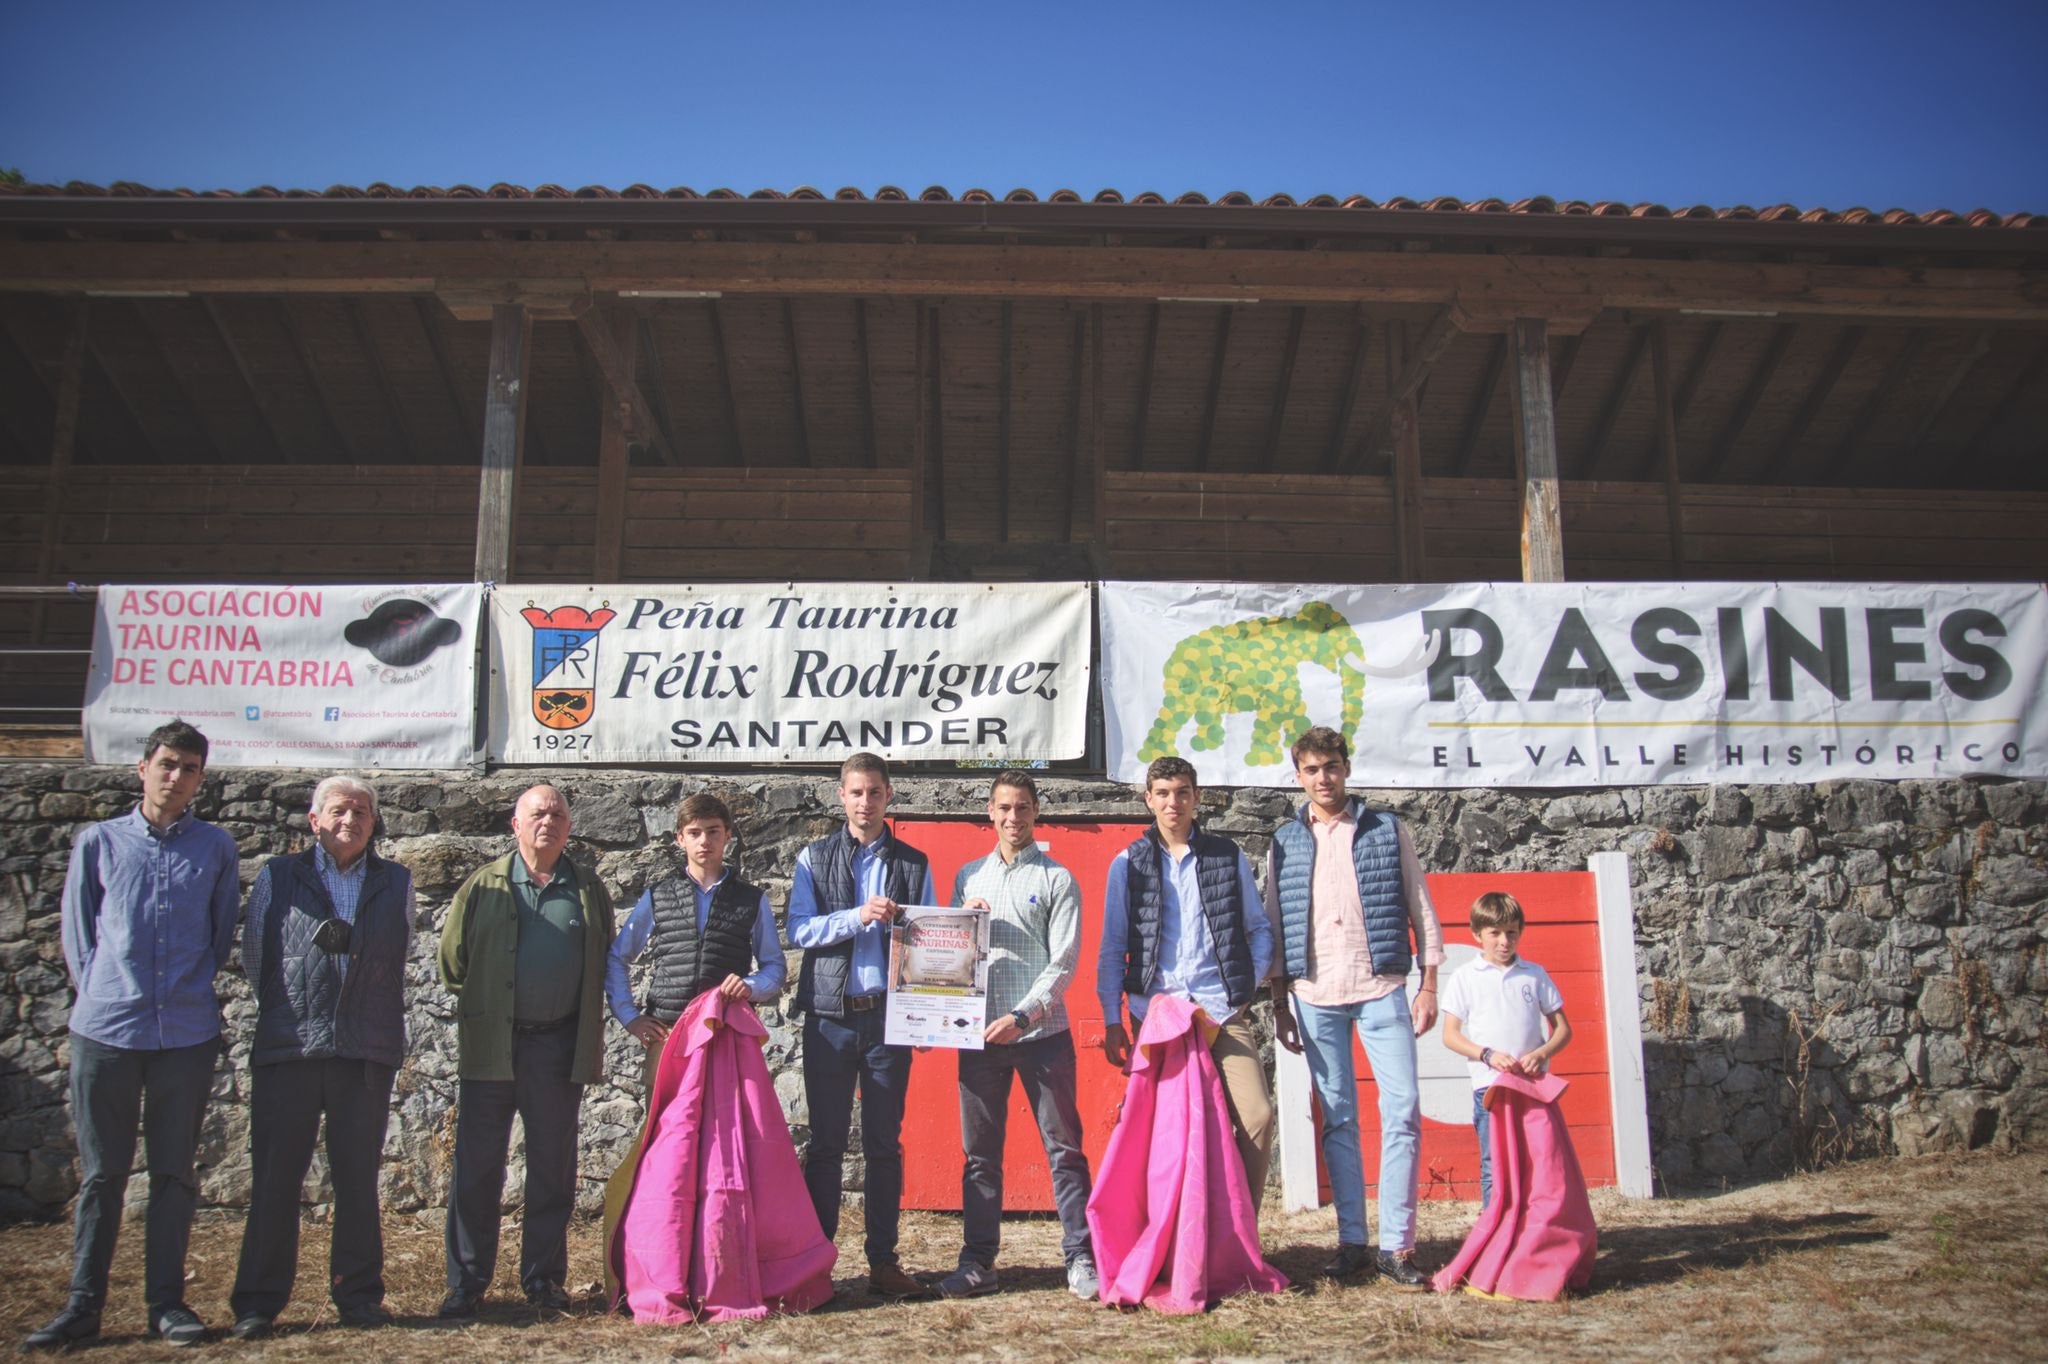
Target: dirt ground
x,y
1944,1257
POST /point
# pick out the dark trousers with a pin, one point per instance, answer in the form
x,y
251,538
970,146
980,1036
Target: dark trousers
x,y
840,1053
1046,1066
112,1088
548,1103
286,1102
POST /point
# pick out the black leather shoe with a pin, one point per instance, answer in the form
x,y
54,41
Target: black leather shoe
x,y
549,1297
1400,1271
177,1325
366,1317
251,1326
1350,1260
72,1326
458,1306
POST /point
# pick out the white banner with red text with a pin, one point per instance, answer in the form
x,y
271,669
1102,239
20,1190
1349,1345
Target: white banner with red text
x,y
789,673
1591,684
367,676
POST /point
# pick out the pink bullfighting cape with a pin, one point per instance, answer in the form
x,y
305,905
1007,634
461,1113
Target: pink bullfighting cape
x,y
707,1218
1537,1237
1174,1223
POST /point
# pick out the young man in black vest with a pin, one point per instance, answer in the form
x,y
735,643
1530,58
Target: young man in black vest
x,y
709,929
845,894
1181,916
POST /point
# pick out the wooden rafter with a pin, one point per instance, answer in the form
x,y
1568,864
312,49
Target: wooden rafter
x,y
723,356
1667,442
1561,369
124,400
614,455
2028,381
1886,388
1844,351
317,379
1695,374
1282,387
1407,470
935,438
620,374
373,356
871,442
1980,346
1077,406
1361,346
1611,405
444,366
147,327
656,387
1212,398
1420,359
1745,406
1143,415
250,388
796,379
1003,380
920,523
1475,420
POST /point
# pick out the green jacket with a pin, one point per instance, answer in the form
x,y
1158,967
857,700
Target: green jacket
x,y
479,946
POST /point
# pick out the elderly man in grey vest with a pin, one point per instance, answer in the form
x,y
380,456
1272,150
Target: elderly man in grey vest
x,y
324,944
845,895
1346,889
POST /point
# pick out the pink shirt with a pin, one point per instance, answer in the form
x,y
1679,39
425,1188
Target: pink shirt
x,y
1339,956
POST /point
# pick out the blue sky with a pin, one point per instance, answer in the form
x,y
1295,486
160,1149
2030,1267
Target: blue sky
x,y
1877,104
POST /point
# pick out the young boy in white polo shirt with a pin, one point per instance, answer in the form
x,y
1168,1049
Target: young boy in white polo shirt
x,y
1495,1010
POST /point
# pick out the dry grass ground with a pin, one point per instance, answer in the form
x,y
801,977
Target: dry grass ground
x,y
1938,1258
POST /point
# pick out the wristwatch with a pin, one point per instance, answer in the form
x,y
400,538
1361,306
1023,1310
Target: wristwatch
x,y
1021,1019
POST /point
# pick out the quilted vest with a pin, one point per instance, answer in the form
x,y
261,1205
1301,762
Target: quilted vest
x,y
1375,860
306,1009
688,962
1216,876
821,984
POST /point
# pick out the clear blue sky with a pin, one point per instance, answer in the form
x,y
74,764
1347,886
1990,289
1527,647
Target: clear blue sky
x,y
1880,104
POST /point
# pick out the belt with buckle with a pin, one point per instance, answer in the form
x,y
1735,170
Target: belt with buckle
x,y
860,1004
556,1026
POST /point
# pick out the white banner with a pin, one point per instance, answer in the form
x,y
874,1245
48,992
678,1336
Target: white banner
x,y
1595,684
381,676
794,673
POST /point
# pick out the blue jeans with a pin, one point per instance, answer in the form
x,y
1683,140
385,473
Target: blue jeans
x,y
1387,1031
1482,1123
840,1054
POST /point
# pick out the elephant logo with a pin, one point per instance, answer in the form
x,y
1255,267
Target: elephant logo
x,y
1254,666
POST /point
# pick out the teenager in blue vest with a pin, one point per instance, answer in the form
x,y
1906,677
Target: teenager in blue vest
x,y
1181,916
1346,889
847,891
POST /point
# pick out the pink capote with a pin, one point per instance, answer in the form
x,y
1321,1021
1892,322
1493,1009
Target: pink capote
x,y
1537,1237
1174,1223
713,1222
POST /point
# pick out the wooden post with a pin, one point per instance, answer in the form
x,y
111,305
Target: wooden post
x,y
1667,441
1535,423
497,503
63,440
1407,463
920,438
614,456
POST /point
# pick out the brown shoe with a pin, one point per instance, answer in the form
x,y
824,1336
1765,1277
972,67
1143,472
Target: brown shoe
x,y
889,1281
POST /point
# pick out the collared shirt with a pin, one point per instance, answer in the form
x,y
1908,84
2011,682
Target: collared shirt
x,y
813,925
344,889
148,918
1187,953
547,982
1500,1007
771,969
1034,934
1339,953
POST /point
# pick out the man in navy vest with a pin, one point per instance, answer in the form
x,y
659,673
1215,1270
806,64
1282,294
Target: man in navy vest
x,y
1181,916
1346,889
844,897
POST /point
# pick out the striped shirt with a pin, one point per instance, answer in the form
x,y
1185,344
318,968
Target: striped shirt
x,y
1034,934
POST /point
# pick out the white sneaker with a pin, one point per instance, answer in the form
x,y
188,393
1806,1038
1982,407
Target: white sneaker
x,y
1081,1277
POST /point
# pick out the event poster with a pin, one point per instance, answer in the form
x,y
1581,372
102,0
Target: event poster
x,y
325,676
938,978
1580,684
790,673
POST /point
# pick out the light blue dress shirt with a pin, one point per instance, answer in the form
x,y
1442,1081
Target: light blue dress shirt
x,y
1187,952
766,981
811,925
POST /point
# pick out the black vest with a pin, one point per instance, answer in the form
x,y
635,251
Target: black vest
x,y
688,962
1216,875
821,983
305,1009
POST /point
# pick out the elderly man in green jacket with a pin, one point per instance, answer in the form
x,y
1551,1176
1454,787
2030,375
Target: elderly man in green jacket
x,y
523,952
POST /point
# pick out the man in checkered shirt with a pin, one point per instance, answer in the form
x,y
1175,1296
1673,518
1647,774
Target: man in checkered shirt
x,y
1035,941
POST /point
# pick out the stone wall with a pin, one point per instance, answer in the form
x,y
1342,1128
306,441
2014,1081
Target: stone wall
x,y
1825,971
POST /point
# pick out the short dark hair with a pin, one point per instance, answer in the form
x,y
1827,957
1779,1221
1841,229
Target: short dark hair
x,y
703,805
865,762
178,735
1166,769
1322,741
1496,909
1017,779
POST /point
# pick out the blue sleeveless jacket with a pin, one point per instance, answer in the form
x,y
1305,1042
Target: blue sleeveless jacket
x,y
821,984
1375,859
1222,905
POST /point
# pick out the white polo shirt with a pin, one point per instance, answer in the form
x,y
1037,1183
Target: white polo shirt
x,y
1502,1009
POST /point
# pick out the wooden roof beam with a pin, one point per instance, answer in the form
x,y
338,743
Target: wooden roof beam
x,y
1816,397
1902,363
317,378
1212,399
1379,432
618,369
1282,387
444,365
373,355
1361,345
147,326
1745,406
796,379
1003,378
1475,420
125,401
1980,346
1695,374
2029,378
871,441
1145,372
1611,405
285,451
723,356
1565,290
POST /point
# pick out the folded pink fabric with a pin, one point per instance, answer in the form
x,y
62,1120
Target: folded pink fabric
x,y
717,1225
1174,1224
1537,1237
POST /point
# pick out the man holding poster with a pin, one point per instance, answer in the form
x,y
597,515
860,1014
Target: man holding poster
x,y
847,891
1034,912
